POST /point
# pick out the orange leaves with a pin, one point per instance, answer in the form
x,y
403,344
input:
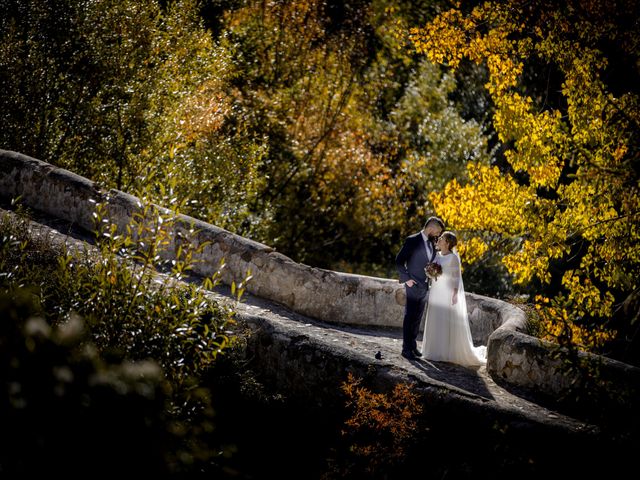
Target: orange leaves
x,y
379,411
381,424
353,175
204,114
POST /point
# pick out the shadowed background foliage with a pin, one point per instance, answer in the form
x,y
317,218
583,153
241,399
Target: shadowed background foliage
x,y
330,130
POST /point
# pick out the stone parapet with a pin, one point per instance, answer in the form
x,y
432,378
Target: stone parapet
x,y
326,295
599,383
334,297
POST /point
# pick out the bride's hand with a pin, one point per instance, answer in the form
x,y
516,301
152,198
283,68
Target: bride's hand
x,y
454,298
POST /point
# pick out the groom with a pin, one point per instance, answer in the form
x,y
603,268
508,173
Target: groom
x,y
418,250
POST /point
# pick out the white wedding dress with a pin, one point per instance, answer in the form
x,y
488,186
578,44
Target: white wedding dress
x,y
447,336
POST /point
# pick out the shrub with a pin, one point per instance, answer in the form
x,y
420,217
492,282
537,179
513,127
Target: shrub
x,y
129,316
380,431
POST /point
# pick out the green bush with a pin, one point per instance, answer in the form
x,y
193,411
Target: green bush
x,y
132,327
65,410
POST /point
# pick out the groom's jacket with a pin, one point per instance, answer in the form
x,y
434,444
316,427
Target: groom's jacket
x,y
412,259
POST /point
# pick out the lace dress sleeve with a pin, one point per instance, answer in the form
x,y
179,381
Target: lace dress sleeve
x,y
456,274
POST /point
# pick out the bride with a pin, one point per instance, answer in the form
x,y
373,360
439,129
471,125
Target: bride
x,y
447,336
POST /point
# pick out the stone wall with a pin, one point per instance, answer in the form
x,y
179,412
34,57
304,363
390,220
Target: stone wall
x,y
545,369
330,296
597,382
513,356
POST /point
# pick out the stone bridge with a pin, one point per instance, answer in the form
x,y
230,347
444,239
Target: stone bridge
x,y
312,326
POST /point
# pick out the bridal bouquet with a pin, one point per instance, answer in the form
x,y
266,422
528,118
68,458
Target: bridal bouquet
x,y
433,270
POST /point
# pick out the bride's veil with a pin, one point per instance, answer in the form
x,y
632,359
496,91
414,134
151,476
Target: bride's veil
x,y
462,315
447,331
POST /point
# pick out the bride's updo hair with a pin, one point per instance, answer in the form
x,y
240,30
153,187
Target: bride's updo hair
x,y
450,238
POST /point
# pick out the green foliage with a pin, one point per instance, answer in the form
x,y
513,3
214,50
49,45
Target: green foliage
x,y
129,312
129,315
306,125
129,94
65,410
358,133
438,143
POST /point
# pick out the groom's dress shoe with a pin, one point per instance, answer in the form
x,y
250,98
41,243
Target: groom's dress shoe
x,y
417,353
409,355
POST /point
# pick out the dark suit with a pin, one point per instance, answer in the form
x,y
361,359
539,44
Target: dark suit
x,y
410,262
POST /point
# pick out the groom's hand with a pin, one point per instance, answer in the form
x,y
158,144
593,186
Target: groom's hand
x,y
410,283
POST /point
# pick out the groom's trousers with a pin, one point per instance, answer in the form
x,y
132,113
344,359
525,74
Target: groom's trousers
x,y
413,310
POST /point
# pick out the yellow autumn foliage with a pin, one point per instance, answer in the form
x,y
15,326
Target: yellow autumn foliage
x,y
568,199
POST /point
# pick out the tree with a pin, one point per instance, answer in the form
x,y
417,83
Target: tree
x,y
348,113
303,125
563,206
130,94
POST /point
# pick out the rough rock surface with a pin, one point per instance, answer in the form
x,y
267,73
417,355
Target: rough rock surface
x,y
310,359
355,316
